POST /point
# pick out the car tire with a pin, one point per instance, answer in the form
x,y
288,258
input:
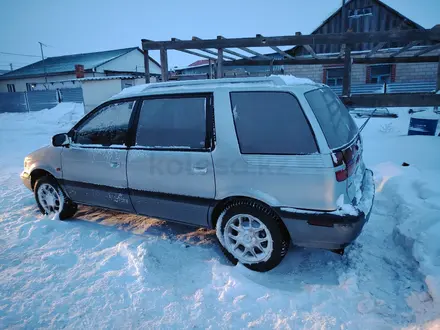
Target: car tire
x,y
51,198
252,234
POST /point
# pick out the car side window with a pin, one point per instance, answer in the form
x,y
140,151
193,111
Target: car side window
x,y
107,127
173,123
271,123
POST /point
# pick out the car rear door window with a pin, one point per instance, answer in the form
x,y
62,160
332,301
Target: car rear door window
x,y
173,123
271,123
108,126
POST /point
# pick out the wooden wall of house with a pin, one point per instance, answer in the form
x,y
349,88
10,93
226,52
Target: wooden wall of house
x,y
382,19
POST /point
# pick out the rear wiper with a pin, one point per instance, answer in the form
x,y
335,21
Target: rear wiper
x,y
365,123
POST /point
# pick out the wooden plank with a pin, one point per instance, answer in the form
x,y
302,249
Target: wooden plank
x,y
406,48
332,38
375,49
308,47
197,54
311,51
236,54
213,52
147,67
253,52
282,52
342,51
220,63
210,70
427,50
164,64
233,52
346,83
392,100
343,16
326,61
279,51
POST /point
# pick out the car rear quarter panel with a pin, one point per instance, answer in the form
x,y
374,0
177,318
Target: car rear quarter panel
x,y
300,181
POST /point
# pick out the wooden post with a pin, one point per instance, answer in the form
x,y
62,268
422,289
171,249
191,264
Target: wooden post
x,y
346,83
210,69
438,76
343,17
271,67
220,63
147,67
164,64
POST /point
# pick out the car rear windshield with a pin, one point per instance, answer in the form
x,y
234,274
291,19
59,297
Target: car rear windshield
x,y
336,123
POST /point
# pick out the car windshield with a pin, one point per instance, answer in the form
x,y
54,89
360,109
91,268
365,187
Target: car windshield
x,y
336,123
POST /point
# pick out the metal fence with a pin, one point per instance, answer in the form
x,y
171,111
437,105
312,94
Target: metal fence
x,y
361,89
71,95
13,102
38,100
411,87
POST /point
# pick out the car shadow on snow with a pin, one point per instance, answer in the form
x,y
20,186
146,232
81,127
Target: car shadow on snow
x,y
299,267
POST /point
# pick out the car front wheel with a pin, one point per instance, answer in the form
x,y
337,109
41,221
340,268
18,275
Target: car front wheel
x,y
253,235
51,199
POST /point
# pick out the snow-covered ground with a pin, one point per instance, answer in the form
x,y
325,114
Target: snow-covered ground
x,y
110,270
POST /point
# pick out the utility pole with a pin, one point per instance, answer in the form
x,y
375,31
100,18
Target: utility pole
x,y
10,64
44,63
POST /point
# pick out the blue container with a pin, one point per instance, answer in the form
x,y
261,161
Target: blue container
x,y
422,126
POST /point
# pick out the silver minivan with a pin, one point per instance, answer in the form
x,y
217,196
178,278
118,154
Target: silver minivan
x,y
265,161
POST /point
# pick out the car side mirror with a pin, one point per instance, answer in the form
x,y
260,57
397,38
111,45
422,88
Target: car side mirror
x,y
60,140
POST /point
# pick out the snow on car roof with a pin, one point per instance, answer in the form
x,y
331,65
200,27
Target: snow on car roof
x,y
274,80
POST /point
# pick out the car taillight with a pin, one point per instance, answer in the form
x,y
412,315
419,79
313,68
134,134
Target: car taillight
x,y
338,158
341,175
350,158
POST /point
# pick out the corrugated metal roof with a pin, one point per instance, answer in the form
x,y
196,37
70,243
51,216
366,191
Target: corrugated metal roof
x,y
65,64
110,78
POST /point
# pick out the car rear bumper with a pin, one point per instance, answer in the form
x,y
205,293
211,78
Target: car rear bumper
x,y
330,230
26,179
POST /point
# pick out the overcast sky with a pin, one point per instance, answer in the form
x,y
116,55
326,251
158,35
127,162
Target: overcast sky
x,y
80,26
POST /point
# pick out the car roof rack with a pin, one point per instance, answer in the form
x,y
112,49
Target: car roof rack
x,y
275,80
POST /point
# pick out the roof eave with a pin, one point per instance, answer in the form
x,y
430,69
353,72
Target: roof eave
x,y
7,77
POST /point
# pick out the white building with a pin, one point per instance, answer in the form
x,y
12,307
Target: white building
x,y
99,89
63,71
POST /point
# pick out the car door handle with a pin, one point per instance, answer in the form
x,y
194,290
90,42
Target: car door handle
x,y
200,170
114,164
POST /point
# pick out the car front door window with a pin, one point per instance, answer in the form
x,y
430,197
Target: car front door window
x,y
108,127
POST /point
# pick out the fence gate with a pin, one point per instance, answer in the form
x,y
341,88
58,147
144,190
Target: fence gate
x,y
13,102
39,100
71,95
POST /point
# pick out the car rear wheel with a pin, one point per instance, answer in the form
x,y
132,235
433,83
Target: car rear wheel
x,y
253,235
51,199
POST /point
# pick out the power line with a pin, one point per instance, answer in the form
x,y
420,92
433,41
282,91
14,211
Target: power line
x,y
5,53
18,63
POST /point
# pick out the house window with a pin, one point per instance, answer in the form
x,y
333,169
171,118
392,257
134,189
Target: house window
x,y
356,13
30,86
11,88
335,76
381,74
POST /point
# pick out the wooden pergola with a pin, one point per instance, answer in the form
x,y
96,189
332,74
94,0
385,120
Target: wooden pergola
x,y
222,57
